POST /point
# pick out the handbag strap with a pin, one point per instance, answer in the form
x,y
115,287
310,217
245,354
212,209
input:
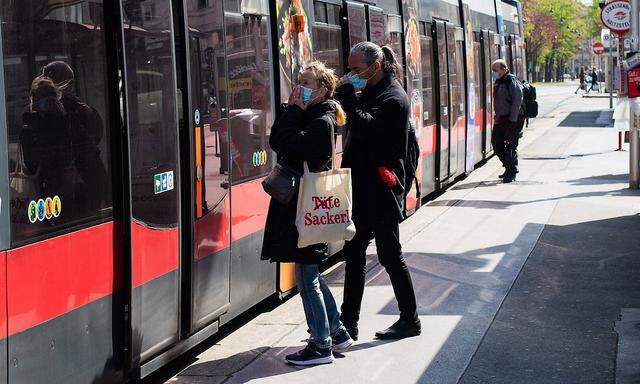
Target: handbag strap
x,y
333,153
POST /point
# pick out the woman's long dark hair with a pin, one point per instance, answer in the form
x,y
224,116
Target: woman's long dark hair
x,y
373,52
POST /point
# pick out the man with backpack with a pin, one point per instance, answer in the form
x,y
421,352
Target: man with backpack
x,y
508,118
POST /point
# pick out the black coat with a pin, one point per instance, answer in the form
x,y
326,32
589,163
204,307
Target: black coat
x,y
298,136
377,131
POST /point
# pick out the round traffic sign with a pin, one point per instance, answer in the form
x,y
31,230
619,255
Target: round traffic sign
x,y
616,16
598,48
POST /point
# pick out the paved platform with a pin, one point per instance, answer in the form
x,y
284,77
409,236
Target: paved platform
x,y
504,275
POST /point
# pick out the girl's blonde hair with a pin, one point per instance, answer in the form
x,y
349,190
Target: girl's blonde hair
x,y
326,78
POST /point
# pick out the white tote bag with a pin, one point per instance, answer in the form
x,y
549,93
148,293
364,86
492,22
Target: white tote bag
x,y
324,205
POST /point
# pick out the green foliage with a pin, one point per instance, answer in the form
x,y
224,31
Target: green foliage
x,y
555,29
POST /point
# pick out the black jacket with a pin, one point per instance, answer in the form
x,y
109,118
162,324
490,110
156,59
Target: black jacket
x,y
298,136
377,129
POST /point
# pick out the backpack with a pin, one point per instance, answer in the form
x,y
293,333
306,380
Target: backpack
x,y
411,162
529,103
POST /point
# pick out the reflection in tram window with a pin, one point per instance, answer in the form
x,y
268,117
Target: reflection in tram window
x,y
151,107
429,116
327,37
249,89
209,99
56,108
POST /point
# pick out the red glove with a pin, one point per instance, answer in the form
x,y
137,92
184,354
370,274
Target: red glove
x,y
387,177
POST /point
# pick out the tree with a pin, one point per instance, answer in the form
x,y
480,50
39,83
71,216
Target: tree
x,y
555,30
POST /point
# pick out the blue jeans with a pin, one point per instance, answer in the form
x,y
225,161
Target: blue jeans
x,y
320,307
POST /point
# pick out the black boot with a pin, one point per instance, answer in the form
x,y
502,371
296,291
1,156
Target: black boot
x,y
401,329
352,330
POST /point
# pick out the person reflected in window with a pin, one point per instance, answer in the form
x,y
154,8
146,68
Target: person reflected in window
x,y
46,142
86,130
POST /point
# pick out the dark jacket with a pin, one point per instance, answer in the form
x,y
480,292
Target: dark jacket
x,y
377,131
87,131
507,98
298,136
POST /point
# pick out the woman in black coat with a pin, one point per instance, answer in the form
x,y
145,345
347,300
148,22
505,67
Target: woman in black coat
x,y
303,134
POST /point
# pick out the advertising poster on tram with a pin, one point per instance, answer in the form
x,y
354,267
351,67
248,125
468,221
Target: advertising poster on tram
x,y
414,79
295,48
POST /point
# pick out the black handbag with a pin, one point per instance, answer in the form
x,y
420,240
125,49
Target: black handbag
x,y
282,183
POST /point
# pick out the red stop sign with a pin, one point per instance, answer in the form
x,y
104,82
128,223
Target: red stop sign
x,y
598,48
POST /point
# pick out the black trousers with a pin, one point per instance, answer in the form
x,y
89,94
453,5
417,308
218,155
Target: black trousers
x,y
390,255
504,138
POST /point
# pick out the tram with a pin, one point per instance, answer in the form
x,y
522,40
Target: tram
x,y
131,232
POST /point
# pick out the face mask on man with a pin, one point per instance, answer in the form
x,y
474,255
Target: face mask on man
x,y
358,82
495,74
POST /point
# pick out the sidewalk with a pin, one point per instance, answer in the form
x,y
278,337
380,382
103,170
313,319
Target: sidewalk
x,y
465,250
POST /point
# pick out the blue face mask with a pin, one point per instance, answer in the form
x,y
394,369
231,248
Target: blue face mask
x,y
358,82
495,75
306,94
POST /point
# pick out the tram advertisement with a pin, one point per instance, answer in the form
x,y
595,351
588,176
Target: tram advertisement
x,y
295,48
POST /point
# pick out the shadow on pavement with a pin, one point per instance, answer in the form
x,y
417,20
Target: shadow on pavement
x,y
556,324
491,204
588,119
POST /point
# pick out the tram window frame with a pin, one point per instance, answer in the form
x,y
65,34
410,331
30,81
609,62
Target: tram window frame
x,y
244,19
94,91
340,68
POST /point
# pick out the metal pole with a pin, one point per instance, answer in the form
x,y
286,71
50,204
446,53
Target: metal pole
x,y
611,71
634,108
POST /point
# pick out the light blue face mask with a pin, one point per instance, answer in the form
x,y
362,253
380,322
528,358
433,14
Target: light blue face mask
x,y
358,82
495,75
306,94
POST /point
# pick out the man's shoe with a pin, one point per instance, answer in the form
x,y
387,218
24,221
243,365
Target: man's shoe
x,y
509,179
352,330
401,329
311,355
502,175
341,341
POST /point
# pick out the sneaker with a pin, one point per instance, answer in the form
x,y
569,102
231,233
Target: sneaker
x,y
341,341
311,355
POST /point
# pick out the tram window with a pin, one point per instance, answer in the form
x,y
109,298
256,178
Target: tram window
x,y
429,116
333,14
57,126
394,32
328,42
357,23
208,94
151,112
249,90
320,12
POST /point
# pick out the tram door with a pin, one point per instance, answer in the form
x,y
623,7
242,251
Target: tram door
x,y
208,166
429,129
152,128
457,141
444,124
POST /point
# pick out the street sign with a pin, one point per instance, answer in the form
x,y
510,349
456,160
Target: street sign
x,y
598,48
616,16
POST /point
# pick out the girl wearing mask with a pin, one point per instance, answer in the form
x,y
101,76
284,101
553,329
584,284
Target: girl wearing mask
x,y
303,134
